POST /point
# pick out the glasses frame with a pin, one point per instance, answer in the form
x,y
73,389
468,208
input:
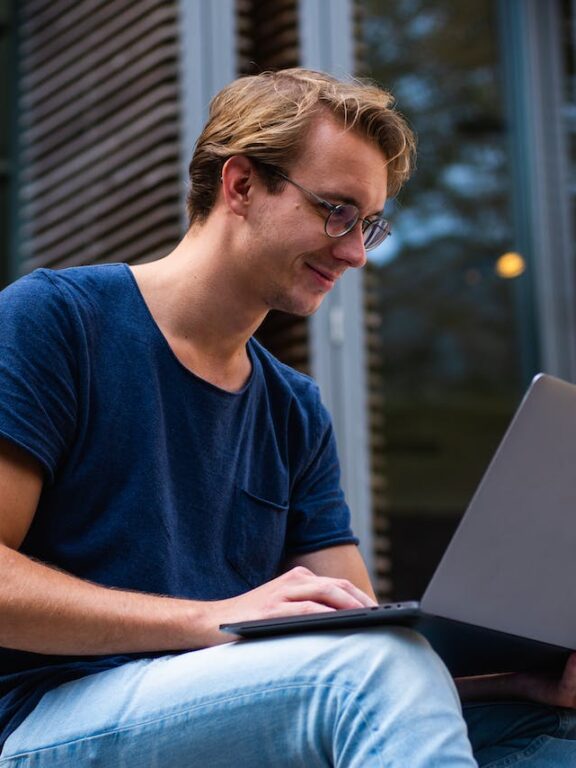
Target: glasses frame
x,y
385,230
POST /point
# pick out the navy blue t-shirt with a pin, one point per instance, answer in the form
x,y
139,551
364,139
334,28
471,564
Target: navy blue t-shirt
x,y
155,480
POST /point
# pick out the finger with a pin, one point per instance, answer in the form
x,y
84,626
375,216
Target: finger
x,y
301,583
359,594
345,596
360,599
327,592
301,607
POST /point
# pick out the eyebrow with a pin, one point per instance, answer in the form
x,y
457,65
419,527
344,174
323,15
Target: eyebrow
x,y
341,198
349,201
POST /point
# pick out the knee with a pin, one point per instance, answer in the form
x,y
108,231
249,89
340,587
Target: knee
x,y
403,655
393,660
400,646
396,658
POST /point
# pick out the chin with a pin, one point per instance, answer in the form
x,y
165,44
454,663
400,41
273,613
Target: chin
x,y
299,308
296,305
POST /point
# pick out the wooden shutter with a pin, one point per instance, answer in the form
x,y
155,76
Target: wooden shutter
x,y
99,131
268,35
7,39
377,432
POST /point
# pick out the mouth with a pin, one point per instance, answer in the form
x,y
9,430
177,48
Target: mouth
x,y
324,277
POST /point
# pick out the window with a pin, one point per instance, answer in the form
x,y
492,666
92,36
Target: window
x,y
456,316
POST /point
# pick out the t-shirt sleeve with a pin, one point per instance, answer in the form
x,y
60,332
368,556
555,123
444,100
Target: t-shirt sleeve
x,y
319,515
38,369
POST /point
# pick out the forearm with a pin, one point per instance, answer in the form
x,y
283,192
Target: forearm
x,y
47,611
545,687
490,687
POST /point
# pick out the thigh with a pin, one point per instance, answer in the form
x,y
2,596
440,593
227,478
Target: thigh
x,y
193,709
341,699
523,734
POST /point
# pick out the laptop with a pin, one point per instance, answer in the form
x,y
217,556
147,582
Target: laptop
x,y
503,598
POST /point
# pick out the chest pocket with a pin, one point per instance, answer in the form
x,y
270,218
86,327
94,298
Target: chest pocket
x,y
256,536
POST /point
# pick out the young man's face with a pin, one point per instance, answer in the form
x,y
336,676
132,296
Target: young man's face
x,y
297,263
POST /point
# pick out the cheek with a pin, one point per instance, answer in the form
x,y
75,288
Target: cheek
x,y
286,232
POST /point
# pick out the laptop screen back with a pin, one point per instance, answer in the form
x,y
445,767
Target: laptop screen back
x,y
511,565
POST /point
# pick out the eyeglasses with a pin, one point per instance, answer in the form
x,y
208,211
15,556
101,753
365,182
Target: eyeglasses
x,y
343,218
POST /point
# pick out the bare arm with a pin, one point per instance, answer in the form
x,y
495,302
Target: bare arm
x,y
47,611
555,690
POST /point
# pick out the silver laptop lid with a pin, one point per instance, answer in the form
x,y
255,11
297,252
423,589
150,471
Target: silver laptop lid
x,y
511,564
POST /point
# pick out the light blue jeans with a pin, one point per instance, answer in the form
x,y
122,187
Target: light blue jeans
x,y
348,700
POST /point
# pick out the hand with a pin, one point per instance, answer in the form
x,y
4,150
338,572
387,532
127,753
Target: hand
x,y
295,592
544,688
551,689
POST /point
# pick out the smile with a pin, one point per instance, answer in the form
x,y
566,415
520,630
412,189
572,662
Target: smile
x,y
326,279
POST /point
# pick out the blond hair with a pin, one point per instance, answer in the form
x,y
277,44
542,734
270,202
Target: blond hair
x,y
266,117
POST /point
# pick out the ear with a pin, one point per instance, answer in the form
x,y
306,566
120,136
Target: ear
x,y
238,181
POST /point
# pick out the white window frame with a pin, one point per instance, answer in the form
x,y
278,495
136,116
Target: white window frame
x,y
208,63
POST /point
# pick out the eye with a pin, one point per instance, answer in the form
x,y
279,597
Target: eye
x,y
345,216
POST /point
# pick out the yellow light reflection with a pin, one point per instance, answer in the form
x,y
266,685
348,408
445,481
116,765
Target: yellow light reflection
x,y
510,265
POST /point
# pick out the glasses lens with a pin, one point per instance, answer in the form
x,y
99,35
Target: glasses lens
x,y
341,220
375,232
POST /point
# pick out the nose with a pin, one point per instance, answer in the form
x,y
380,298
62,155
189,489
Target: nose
x,y
350,248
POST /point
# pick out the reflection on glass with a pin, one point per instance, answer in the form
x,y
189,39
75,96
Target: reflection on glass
x,y
451,354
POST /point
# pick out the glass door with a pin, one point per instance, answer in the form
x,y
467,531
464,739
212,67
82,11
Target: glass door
x,y
452,295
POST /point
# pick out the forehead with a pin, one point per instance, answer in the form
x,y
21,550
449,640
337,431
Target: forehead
x,y
342,161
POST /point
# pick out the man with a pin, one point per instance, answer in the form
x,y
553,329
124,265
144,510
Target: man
x,y
161,474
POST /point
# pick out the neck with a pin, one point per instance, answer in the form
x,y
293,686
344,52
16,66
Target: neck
x,y
194,297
